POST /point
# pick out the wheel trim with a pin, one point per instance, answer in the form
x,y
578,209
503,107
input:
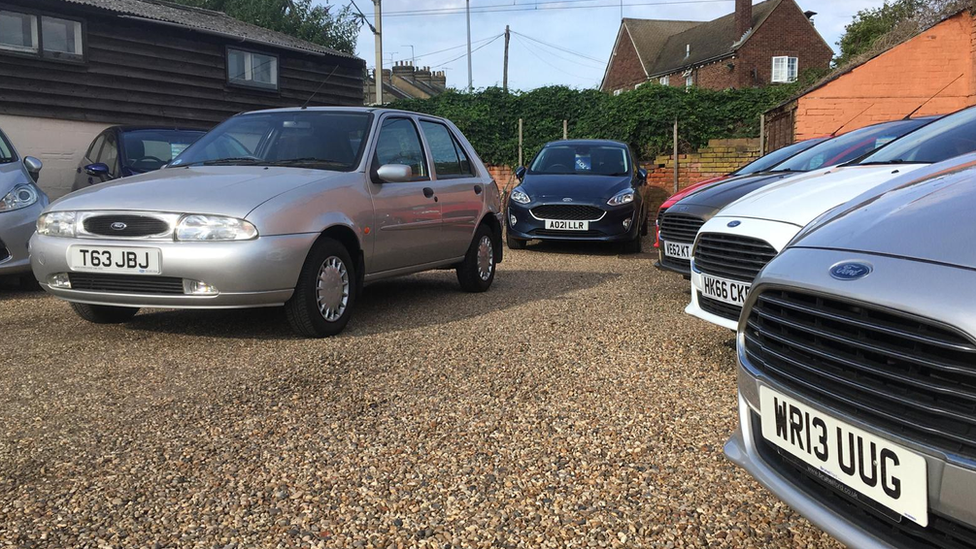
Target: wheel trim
x,y
486,258
332,289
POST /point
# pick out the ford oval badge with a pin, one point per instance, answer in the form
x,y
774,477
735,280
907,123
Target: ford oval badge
x,y
118,226
735,223
567,200
850,270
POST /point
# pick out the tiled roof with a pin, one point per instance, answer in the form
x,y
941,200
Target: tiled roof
x,y
662,44
208,21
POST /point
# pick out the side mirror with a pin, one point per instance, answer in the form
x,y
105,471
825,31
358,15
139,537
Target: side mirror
x,y
33,166
97,170
641,175
395,173
520,173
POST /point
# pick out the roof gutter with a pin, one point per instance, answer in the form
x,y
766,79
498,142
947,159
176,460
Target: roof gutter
x,y
698,64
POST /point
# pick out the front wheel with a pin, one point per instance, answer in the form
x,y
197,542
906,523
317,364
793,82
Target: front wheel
x,y
323,300
104,314
514,243
477,271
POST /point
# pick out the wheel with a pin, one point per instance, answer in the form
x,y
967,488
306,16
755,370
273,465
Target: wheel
x,y
29,283
104,314
514,243
326,292
634,246
477,271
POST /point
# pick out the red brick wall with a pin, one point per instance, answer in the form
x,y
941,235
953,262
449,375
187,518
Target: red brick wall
x,y
720,157
785,32
625,70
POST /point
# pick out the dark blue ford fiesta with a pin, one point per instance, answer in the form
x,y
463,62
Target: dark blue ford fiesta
x,y
580,190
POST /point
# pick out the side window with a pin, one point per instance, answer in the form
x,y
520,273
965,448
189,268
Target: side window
x,y
109,154
399,143
466,168
95,148
442,149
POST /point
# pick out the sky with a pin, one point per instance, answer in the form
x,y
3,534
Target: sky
x,y
564,42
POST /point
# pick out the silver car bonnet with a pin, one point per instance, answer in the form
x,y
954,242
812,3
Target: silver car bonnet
x,y
929,219
222,190
12,174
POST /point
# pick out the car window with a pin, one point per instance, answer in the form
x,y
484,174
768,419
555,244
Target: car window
x,y
466,168
943,139
95,148
109,154
147,150
582,159
449,159
778,156
850,146
6,151
399,143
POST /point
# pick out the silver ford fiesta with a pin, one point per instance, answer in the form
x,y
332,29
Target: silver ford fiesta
x,y
292,207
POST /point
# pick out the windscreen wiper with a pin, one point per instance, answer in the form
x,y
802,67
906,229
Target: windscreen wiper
x,y
226,161
307,160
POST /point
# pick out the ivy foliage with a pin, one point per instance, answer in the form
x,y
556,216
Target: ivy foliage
x,y
643,118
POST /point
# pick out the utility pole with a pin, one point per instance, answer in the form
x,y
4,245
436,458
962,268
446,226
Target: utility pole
x,y
378,35
676,155
508,36
565,129
470,76
413,53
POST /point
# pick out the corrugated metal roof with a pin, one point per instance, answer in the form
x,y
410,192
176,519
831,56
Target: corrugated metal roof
x,y
207,21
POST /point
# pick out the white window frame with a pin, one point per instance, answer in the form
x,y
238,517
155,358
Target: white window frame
x,y
689,79
784,69
247,80
79,44
664,80
617,92
35,46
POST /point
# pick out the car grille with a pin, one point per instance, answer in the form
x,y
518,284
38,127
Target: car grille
x,y
682,265
126,284
567,234
676,227
729,256
905,375
4,253
941,533
134,225
718,308
571,212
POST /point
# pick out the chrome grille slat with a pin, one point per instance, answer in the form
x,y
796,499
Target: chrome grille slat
x,y
907,375
729,256
677,227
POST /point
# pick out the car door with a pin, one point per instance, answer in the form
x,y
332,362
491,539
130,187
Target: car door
x,y
457,184
104,151
83,178
407,214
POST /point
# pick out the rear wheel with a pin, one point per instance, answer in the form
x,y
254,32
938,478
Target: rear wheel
x,y
104,314
477,271
514,243
326,291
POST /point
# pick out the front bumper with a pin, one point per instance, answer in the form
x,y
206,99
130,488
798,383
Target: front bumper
x,y
16,228
667,263
609,228
695,307
254,273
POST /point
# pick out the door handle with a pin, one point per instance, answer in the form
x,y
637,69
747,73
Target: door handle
x,y
477,189
428,192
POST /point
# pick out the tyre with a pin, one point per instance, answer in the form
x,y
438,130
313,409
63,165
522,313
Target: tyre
x,y
514,243
104,314
29,283
326,292
634,246
477,271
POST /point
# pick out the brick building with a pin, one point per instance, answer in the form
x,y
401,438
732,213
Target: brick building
x,y
930,73
754,46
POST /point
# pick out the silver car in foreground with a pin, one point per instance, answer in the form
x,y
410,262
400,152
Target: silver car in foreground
x,y
293,207
857,367
21,201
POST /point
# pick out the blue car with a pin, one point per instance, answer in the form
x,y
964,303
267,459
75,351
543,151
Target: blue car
x,y
123,151
580,190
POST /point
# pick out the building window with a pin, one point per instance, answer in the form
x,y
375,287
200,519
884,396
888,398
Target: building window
x,y
617,92
54,37
252,69
18,32
784,69
664,81
689,79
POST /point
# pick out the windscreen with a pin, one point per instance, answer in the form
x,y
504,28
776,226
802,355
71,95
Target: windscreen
x,y
767,162
6,151
148,150
943,139
850,146
328,140
582,159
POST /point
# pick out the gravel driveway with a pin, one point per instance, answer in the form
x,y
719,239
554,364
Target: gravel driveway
x,y
573,405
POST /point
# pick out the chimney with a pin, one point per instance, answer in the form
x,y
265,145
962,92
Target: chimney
x,y
743,17
439,80
423,75
403,69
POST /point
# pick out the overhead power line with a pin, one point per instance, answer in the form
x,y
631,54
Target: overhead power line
x,y
428,54
539,57
546,6
562,49
472,51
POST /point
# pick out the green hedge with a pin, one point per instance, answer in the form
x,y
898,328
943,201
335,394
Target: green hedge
x,y
643,117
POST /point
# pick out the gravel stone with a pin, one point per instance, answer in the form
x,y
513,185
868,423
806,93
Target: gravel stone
x,y
573,405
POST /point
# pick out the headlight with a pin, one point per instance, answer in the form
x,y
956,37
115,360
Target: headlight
x,y
57,224
21,197
625,197
520,196
214,227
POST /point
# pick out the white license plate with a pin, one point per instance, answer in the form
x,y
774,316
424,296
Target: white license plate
x,y
676,249
728,291
115,259
561,225
869,465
